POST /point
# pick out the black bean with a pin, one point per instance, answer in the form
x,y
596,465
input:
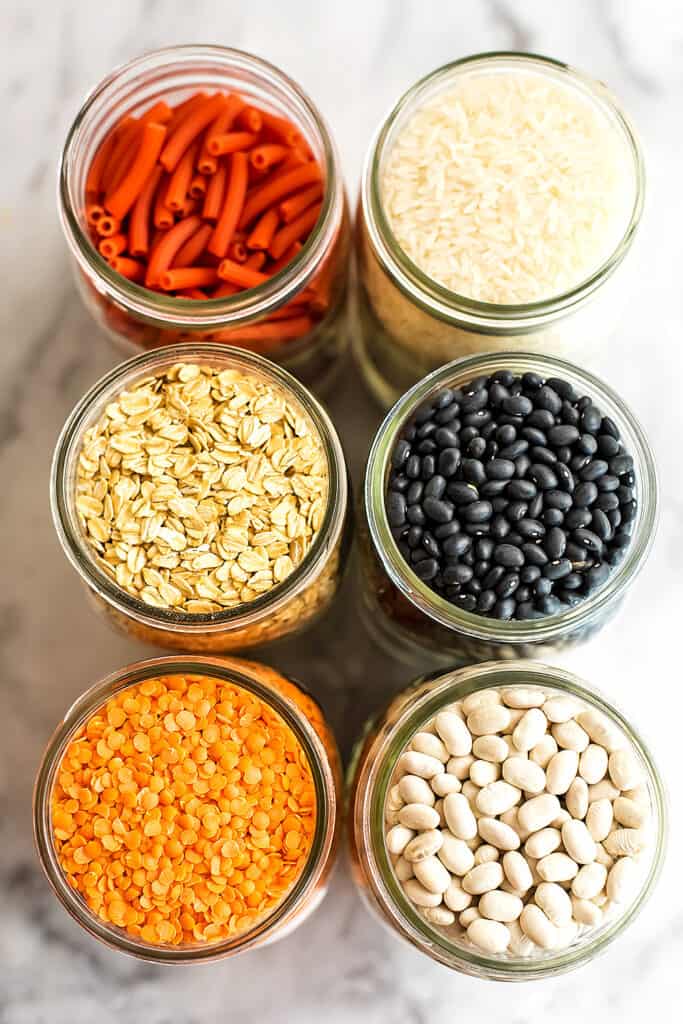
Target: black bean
x,y
438,510
474,401
467,602
534,555
414,492
621,464
426,447
564,455
473,471
497,392
548,400
529,573
552,517
596,576
522,463
624,494
415,515
557,569
401,453
481,568
413,467
499,469
585,494
486,600
543,587
435,487
601,525
570,417
532,381
607,501
589,540
447,415
396,508
577,517
427,467
476,447
473,587
530,529
466,435
535,506
575,552
544,455
509,556
446,438
430,544
563,434
445,530
461,493
423,413
565,478
543,476
477,512
488,430
608,446
477,419
550,605
398,482
443,399
483,548
608,483
492,488
414,536
558,499
614,516
577,462
587,444
518,405
454,547
493,577
448,462
534,436
628,511
499,527
506,434
514,448
515,511
591,420
594,470
508,585
457,574
621,539
555,543
572,582
427,569
608,426
526,610
504,609
477,529
426,430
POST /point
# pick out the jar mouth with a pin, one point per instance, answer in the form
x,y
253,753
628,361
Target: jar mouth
x,y
439,299
444,688
138,84
62,492
227,669
418,593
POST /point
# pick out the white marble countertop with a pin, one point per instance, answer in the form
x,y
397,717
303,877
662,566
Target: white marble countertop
x,y
354,58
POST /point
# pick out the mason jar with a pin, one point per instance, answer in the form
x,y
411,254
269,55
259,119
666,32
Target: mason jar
x,y
289,606
370,777
303,716
412,621
136,318
408,324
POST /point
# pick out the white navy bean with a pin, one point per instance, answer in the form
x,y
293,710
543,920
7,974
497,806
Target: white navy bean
x,y
444,784
403,869
487,719
530,729
570,736
482,878
420,896
479,699
490,748
538,812
600,729
486,853
431,873
398,838
577,798
541,843
554,902
418,817
566,934
454,733
484,772
593,764
640,794
621,880
498,834
603,857
630,813
439,916
589,881
560,709
517,871
543,751
471,791
394,799
489,936
415,790
559,821
537,926
578,841
391,817
520,944
498,905
460,766
624,769
524,697
459,817
516,714
415,763
455,897
557,867
625,842
586,912
525,774
438,807
599,819
428,743
561,771
455,854
426,844
497,797
468,916
603,790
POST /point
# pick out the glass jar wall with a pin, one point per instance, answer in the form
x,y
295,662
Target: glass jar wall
x,y
300,714
137,318
288,607
373,764
414,622
408,324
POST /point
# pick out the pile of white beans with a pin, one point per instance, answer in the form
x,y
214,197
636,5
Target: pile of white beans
x,y
516,819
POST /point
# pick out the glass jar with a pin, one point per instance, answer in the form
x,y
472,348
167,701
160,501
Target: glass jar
x,y
289,606
301,714
370,774
414,622
409,324
136,317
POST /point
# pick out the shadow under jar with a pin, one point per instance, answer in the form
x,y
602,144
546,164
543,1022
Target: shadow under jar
x,y
410,619
408,322
306,722
289,606
371,776
137,318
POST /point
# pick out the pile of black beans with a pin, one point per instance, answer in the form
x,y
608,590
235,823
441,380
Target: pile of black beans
x,y
512,497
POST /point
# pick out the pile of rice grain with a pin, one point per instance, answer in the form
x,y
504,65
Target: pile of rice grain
x,y
508,187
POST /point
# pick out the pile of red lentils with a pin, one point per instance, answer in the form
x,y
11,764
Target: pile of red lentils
x,y
183,811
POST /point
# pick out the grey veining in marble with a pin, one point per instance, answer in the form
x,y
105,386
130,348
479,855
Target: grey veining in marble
x,y
355,58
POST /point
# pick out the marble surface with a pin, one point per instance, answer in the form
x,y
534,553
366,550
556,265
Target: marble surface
x,y
354,58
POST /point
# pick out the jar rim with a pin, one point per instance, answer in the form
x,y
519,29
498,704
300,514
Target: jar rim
x,y
74,543
437,608
232,670
368,817
437,299
166,310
